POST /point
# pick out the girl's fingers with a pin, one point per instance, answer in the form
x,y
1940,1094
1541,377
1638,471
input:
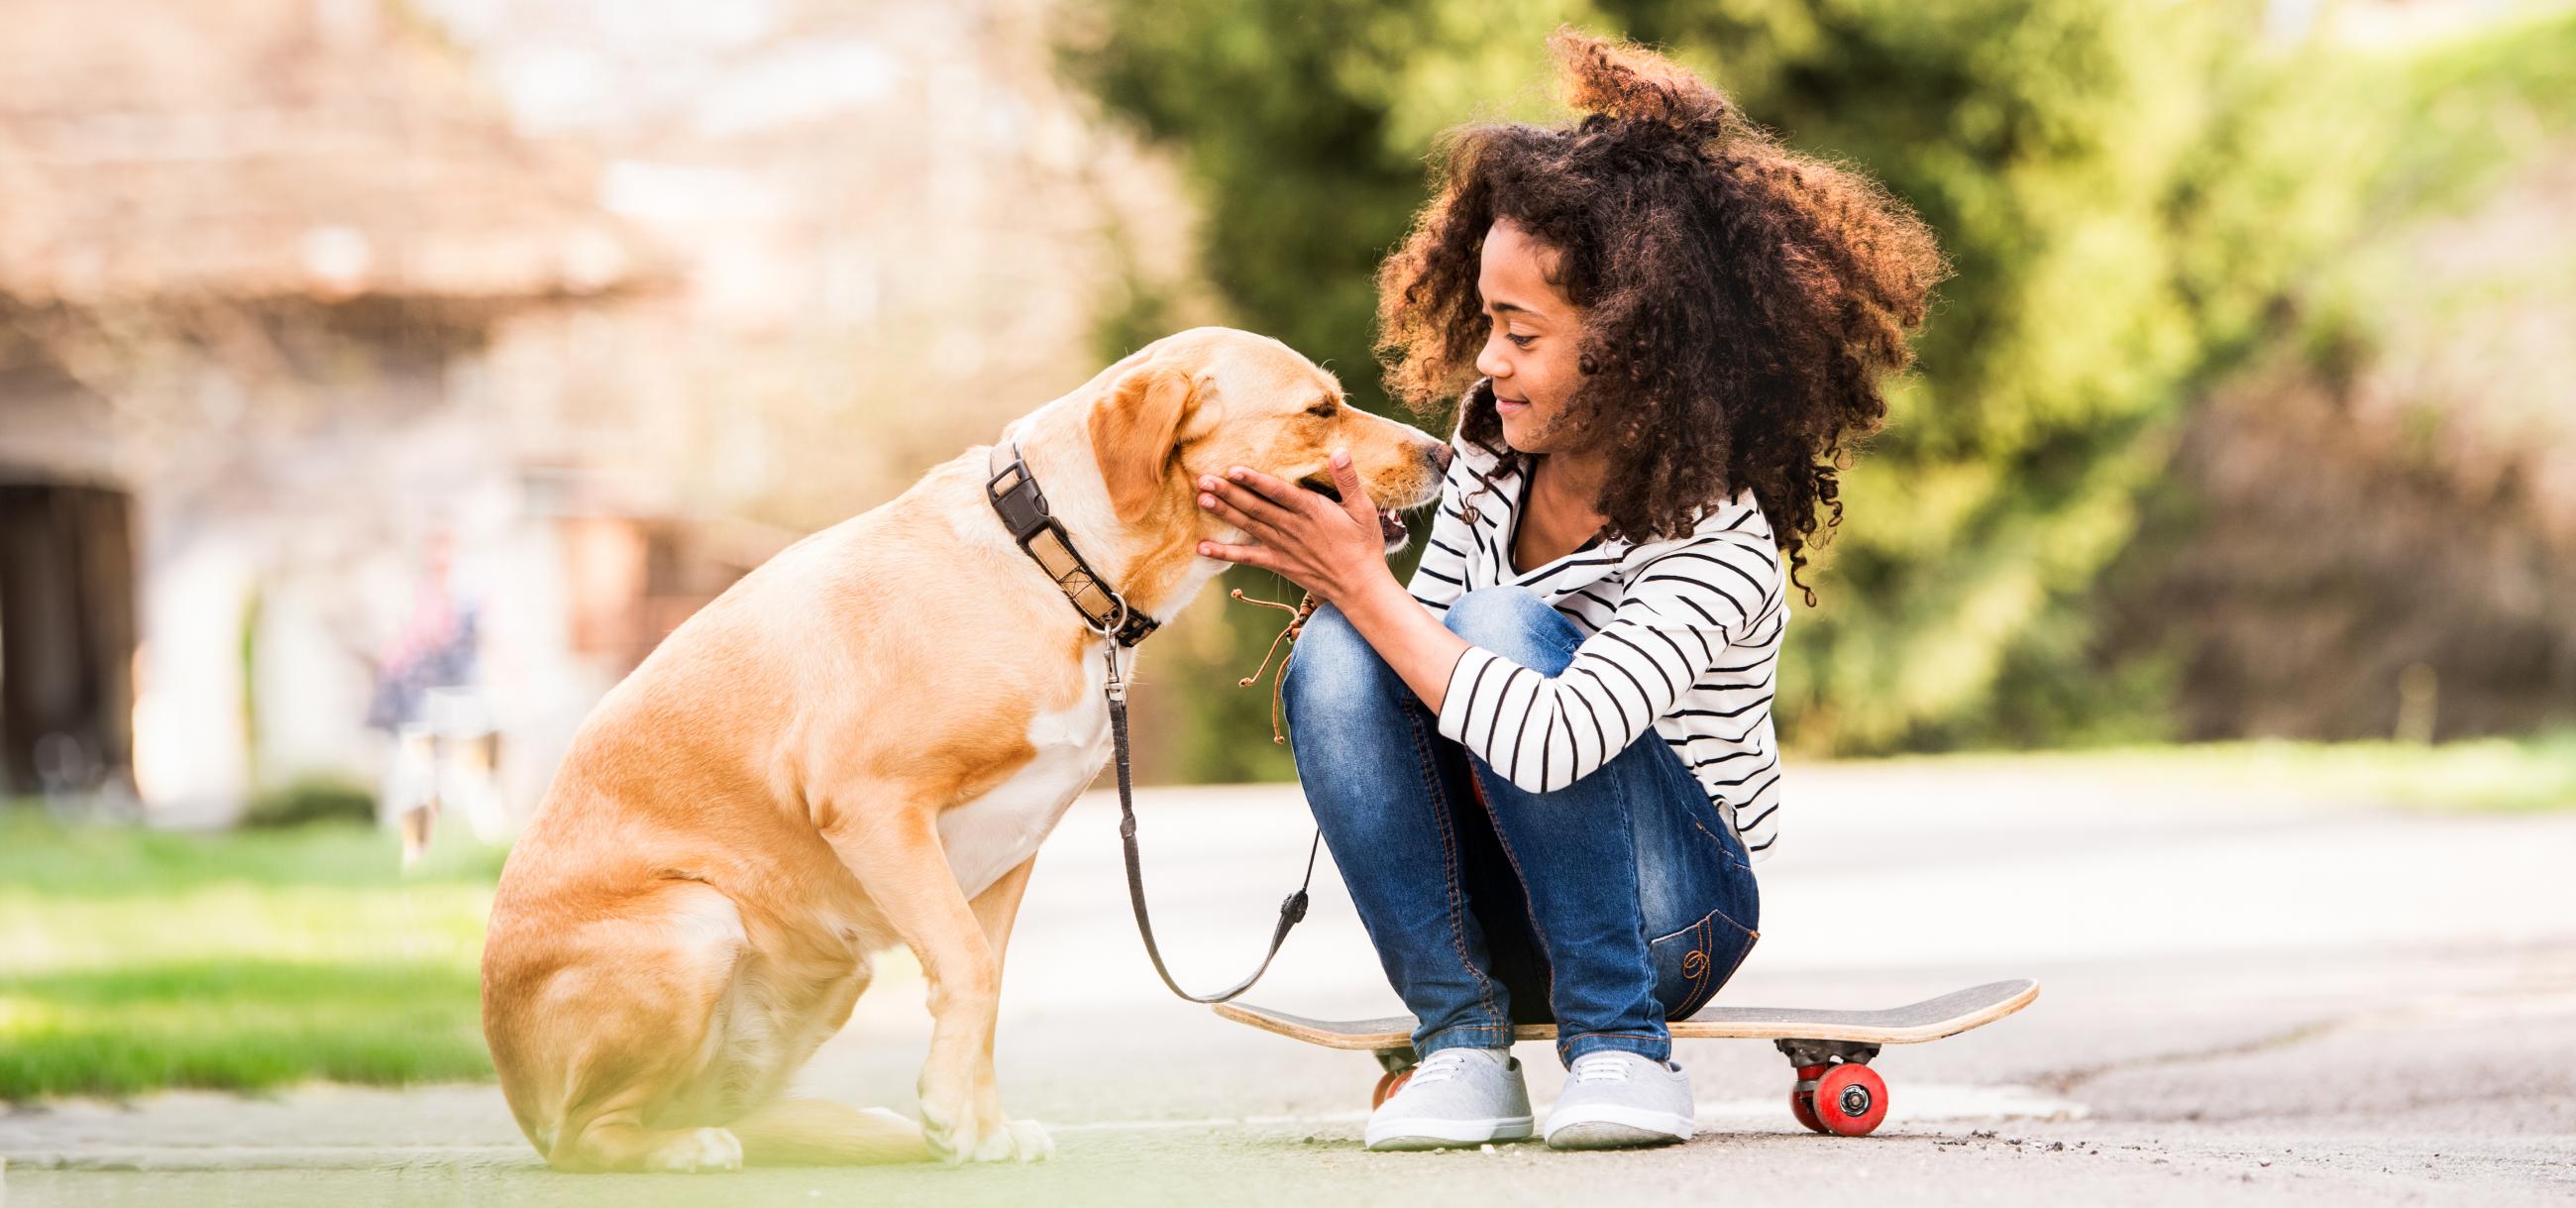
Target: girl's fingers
x,y
1242,555
1288,497
1248,501
1355,498
1266,533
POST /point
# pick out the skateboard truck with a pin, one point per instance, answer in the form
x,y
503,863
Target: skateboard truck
x,y
1836,1091
1820,1052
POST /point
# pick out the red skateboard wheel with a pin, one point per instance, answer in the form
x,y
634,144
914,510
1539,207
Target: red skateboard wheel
x,y
1387,1084
1805,1110
1850,1100
1802,1103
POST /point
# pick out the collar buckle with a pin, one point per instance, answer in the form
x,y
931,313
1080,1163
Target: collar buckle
x,y
1022,507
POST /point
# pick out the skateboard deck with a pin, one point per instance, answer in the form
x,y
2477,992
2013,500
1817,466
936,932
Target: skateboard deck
x,y
1836,1091
1930,1019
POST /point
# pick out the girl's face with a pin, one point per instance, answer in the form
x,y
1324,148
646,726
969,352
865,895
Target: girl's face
x,y
1535,342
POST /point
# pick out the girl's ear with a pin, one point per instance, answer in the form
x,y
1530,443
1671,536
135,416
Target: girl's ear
x,y
1135,428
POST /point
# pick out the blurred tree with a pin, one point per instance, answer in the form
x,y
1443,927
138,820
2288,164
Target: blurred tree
x,y
1303,126
2371,528
2128,192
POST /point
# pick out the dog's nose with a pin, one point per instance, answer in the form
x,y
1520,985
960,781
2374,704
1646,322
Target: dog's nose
x,y
1440,455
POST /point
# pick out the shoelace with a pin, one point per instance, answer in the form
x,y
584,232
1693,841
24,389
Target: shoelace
x,y
1600,1067
1440,1067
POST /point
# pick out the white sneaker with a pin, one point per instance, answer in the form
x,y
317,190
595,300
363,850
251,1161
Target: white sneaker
x,y
1614,1099
1456,1097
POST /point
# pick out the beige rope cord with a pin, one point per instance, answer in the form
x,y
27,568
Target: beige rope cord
x,y
1299,612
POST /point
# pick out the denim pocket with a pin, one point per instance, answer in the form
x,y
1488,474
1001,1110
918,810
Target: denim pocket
x,y
1692,963
1730,847
1706,818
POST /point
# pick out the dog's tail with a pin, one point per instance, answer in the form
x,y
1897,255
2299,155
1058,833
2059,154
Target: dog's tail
x,y
818,1132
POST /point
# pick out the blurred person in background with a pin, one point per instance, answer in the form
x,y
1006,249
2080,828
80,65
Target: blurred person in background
x,y
1547,766
427,697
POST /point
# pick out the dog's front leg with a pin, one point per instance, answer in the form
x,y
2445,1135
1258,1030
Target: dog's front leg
x,y
995,909
899,861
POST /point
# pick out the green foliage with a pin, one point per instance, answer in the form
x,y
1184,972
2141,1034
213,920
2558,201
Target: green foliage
x,y
2475,105
2478,110
310,799
134,959
2131,195
1304,126
2128,192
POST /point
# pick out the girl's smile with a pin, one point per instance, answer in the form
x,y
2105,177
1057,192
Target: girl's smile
x,y
1535,341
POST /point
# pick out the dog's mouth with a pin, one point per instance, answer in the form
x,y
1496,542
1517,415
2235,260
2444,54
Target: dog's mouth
x,y
1388,523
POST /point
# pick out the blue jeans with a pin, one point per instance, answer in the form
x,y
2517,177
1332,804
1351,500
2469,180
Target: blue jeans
x,y
1608,906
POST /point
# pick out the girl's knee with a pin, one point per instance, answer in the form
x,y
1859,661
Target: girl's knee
x,y
1330,661
1516,624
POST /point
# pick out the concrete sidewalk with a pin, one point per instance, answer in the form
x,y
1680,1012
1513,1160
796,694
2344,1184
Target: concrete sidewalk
x,y
2245,1000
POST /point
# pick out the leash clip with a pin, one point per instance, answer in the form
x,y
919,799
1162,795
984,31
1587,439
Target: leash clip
x,y
1117,684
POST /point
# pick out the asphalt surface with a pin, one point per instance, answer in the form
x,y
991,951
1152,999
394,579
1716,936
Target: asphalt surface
x,y
2245,1000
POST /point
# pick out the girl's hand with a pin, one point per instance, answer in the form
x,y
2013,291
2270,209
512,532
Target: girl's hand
x,y
1334,550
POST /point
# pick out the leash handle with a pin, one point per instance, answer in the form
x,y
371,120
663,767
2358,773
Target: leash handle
x,y
1292,910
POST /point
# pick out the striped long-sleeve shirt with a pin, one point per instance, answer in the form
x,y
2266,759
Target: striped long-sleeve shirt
x,y
1681,634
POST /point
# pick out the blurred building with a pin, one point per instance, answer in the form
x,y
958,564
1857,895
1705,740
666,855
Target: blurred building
x,y
252,264
895,229
613,299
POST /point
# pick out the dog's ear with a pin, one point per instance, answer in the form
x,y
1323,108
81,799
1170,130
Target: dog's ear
x,y
1135,430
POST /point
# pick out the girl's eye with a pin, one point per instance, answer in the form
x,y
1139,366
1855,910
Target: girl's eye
x,y
1520,341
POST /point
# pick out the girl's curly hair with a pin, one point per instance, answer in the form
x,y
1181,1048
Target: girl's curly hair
x,y
1741,301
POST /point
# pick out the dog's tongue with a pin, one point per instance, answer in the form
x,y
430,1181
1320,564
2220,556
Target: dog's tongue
x,y
1391,524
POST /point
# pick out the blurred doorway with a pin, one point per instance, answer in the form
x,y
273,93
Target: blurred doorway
x,y
67,634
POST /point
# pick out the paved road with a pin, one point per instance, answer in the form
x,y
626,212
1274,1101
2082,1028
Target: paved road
x,y
2246,1000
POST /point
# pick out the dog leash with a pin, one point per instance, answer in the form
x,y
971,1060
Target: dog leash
x,y
1016,497
1292,909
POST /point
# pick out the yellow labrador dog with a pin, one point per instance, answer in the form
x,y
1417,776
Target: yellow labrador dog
x,y
862,743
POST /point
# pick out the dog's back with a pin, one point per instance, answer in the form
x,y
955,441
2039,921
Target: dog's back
x,y
671,938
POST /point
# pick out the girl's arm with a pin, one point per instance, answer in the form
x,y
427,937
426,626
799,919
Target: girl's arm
x,y
1337,552
1685,603
1686,600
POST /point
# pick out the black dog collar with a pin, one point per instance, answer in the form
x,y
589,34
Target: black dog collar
x,y
1017,499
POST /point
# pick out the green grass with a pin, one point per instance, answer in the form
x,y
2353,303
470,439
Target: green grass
x,y
2487,774
131,960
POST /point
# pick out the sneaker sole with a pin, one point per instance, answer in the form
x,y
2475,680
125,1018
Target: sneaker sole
x,y
1608,1136
1604,1126
1409,1135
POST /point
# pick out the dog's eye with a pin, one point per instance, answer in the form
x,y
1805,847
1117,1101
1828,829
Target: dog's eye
x,y
1323,409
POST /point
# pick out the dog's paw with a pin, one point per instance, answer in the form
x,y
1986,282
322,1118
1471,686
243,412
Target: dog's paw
x,y
1029,1141
956,1142
939,1134
701,1150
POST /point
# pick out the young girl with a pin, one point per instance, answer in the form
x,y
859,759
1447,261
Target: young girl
x,y
1547,766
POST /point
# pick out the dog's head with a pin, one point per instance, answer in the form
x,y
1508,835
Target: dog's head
x,y
1212,397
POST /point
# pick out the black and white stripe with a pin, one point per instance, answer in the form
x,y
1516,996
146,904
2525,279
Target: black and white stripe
x,y
1683,635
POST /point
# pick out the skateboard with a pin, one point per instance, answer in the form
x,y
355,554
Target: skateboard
x,y
1836,1091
